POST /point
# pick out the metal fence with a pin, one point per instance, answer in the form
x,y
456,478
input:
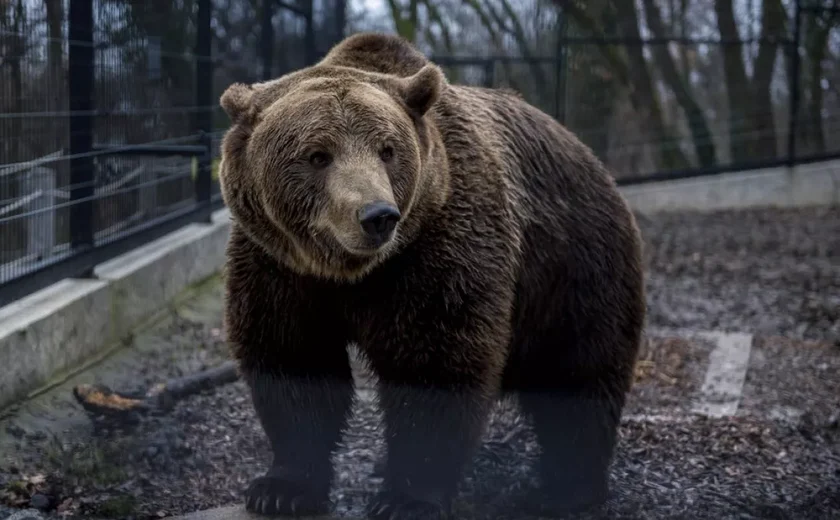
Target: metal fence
x,y
579,84
106,152
109,121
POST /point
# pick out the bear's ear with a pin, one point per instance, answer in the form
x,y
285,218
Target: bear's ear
x,y
237,101
422,90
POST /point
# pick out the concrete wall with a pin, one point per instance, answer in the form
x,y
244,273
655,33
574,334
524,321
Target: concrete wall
x,y
62,326
805,185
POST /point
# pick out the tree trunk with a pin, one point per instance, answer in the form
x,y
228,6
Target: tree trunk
x,y
737,85
609,52
18,48
414,17
813,131
55,20
704,145
340,19
496,38
816,44
405,24
685,61
772,28
518,33
642,94
435,17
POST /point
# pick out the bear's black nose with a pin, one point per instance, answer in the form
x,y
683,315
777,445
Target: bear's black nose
x,y
379,219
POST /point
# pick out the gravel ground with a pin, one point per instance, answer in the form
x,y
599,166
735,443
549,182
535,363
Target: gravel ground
x,y
769,272
792,378
205,452
772,271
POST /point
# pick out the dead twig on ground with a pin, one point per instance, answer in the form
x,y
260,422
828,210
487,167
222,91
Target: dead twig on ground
x,y
101,400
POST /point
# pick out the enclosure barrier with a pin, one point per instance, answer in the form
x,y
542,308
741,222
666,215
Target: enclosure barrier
x,y
40,203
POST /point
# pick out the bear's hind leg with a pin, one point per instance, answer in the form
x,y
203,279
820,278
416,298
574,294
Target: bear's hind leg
x,y
576,430
303,409
573,387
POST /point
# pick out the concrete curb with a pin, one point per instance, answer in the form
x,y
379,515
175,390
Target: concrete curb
x,y
66,324
815,184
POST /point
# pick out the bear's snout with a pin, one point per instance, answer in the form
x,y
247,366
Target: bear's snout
x,y
378,220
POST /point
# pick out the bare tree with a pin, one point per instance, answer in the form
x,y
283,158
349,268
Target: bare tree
x,y
13,47
818,28
643,94
751,124
55,58
704,145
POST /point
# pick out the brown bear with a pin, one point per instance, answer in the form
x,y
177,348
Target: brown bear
x,y
468,244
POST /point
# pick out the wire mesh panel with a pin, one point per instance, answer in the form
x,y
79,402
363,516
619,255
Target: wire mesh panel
x,y
144,84
33,132
105,128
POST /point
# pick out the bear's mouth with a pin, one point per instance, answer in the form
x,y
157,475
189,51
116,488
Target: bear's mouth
x,y
328,237
335,249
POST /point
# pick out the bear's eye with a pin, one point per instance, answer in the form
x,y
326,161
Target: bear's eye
x,y
320,159
387,154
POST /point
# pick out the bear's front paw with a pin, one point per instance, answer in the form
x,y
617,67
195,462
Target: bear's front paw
x,y
271,495
395,506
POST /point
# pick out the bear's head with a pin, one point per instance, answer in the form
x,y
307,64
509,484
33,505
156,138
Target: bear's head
x,y
330,168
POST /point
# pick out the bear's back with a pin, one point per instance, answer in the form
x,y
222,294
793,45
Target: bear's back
x,y
376,52
549,172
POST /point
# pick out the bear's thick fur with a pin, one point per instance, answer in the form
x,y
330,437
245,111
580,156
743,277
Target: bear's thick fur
x,y
464,240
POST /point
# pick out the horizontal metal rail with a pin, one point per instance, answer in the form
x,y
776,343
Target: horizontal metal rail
x,y
80,263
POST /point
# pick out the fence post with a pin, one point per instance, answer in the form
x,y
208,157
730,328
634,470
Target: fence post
x,y
560,67
340,20
267,39
80,90
794,83
311,47
203,100
489,73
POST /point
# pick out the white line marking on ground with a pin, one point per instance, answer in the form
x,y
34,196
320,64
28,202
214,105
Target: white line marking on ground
x,y
682,417
728,363
658,418
26,514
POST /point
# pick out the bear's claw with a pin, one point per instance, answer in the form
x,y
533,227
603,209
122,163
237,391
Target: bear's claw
x,y
393,506
279,496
